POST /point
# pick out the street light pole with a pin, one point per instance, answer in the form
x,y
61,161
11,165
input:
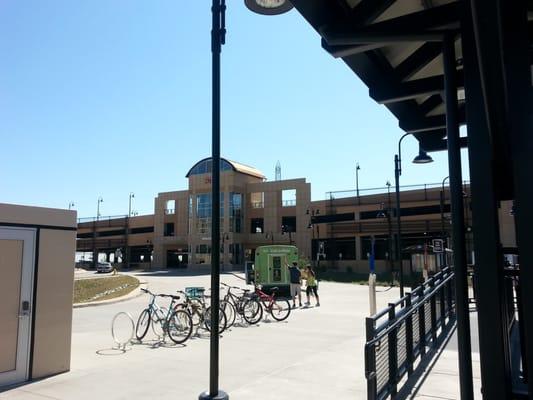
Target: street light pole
x,y
389,227
357,168
132,195
218,34
100,200
312,213
422,158
443,230
95,252
128,250
70,205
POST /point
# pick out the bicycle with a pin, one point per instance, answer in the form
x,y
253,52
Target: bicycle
x,y
200,313
176,323
233,304
279,309
152,313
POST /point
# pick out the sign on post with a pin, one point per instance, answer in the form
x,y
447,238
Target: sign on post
x,y
438,246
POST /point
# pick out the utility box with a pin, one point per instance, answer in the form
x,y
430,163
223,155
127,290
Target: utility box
x,y
271,267
37,248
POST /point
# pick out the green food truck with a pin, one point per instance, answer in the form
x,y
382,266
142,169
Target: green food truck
x,y
271,267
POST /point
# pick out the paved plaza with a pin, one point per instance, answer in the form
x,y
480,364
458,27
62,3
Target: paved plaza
x,y
317,353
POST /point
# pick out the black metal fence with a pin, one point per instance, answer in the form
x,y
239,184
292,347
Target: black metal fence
x,y
399,336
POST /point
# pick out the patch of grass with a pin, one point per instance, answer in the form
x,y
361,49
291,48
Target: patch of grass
x,y
86,290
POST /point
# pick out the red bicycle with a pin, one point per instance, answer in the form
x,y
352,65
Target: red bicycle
x,y
253,308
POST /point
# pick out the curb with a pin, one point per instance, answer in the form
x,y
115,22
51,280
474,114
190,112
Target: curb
x,y
133,294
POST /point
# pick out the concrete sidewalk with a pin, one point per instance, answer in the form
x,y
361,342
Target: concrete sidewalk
x,y
317,354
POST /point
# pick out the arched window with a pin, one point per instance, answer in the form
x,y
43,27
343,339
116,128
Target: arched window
x,y
205,167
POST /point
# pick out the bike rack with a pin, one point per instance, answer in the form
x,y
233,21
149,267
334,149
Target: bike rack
x,y
122,342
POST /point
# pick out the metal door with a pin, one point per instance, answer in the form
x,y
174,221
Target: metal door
x,y
17,253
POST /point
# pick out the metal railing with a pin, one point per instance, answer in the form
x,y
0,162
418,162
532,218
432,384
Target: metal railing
x,y
108,219
516,332
419,192
398,337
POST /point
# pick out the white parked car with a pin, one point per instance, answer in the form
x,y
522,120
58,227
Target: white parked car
x,y
104,267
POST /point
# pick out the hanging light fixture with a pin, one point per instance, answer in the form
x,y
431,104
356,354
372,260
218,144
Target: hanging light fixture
x,y
423,157
269,7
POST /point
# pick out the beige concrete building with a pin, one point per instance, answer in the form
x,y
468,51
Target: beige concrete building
x,y
37,247
336,232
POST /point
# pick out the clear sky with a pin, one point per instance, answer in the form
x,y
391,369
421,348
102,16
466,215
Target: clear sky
x,y
104,98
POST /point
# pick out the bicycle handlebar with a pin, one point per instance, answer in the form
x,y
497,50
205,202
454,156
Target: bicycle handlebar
x,y
169,295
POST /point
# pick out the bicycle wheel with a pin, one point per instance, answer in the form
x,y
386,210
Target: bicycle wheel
x,y
230,312
142,324
179,327
280,310
252,311
158,321
239,304
196,310
222,320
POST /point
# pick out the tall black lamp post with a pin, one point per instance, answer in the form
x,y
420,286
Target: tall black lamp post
x,y
128,250
287,229
357,168
132,196
218,33
442,205
100,200
312,213
386,213
421,158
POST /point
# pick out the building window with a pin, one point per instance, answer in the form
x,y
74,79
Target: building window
x,y
288,198
288,224
382,247
257,199
170,207
257,225
190,212
169,229
203,254
204,212
235,212
205,167
335,249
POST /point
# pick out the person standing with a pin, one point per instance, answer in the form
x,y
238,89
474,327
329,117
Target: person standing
x,y
312,286
295,283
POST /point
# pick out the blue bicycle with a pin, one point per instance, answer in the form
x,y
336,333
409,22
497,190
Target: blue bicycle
x,y
176,323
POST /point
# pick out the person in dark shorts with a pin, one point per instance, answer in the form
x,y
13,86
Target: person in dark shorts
x,y
312,287
295,283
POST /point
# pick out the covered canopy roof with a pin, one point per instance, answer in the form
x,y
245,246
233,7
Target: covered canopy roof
x,y
395,48
205,167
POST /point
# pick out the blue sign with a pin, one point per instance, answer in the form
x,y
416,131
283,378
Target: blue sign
x,y
372,258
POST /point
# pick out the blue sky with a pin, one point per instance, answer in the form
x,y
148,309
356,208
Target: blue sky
x,y
104,98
